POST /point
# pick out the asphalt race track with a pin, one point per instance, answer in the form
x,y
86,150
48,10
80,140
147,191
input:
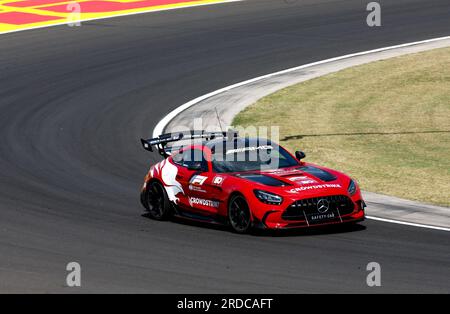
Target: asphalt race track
x,y
74,102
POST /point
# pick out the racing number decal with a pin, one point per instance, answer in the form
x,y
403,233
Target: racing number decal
x,y
218,180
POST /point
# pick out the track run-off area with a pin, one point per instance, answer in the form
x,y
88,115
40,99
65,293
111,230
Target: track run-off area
x,y
76,100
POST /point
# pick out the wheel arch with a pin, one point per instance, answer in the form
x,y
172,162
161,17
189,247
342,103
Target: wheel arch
x,y
144,192
238,193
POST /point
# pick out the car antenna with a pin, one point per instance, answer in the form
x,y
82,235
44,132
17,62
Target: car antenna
x,y
218,119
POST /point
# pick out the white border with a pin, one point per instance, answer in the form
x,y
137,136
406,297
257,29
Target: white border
x,y
124,14
159,128
393,221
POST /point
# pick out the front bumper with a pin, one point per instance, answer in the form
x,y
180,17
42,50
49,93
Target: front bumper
x,y
276,218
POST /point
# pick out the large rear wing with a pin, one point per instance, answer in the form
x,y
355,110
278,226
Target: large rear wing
x,y
161,141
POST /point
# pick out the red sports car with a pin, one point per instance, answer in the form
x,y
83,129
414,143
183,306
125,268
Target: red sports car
x,y
245,183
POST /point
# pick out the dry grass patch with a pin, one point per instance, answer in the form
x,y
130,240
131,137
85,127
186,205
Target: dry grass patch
x,y
386,123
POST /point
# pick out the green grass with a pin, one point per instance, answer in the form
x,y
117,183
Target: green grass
x,y
386,123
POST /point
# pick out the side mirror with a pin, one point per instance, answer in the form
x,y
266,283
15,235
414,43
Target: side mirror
x,y
299,155
195,166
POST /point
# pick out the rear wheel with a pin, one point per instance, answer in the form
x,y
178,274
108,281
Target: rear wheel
x,y
239,214
158,202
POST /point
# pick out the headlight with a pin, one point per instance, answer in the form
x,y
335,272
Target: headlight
x,y
268,198
352,188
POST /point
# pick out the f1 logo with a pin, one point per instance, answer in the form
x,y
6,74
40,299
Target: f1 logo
x,y
198,180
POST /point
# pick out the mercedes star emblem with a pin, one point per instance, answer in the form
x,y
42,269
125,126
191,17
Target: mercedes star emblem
x,y
322,206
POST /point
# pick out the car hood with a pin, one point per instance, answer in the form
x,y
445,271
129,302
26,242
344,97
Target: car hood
x,y
305,180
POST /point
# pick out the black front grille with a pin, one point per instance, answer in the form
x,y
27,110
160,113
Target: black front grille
x,y
297,210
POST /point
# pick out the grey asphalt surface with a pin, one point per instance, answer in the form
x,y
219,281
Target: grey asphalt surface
x,y
75,101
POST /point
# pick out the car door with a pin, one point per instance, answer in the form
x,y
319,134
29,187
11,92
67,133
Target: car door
x,y
214,188
193,181
209,188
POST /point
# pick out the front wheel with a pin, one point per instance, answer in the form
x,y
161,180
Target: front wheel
x,y
158,201
239,214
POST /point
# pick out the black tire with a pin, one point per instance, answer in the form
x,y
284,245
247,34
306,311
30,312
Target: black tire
x,y
239,215
159,207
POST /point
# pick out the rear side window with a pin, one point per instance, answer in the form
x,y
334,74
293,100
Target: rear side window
x,y
189,156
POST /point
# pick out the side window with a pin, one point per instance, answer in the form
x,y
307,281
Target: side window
x,y
190,156
178,158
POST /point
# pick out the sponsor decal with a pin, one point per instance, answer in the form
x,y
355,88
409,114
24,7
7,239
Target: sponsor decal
x,y
248,149
198,180
308,181
196,188
218,180
284,171
302,180
297,178
314,187
200,201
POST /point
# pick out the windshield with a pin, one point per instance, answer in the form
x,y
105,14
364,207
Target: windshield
x,y
251,158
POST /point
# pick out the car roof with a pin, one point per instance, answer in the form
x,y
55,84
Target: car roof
x,y
228,143
240,141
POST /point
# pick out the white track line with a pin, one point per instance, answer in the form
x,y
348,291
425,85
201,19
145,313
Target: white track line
x,y
159,128
407,223
119,15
